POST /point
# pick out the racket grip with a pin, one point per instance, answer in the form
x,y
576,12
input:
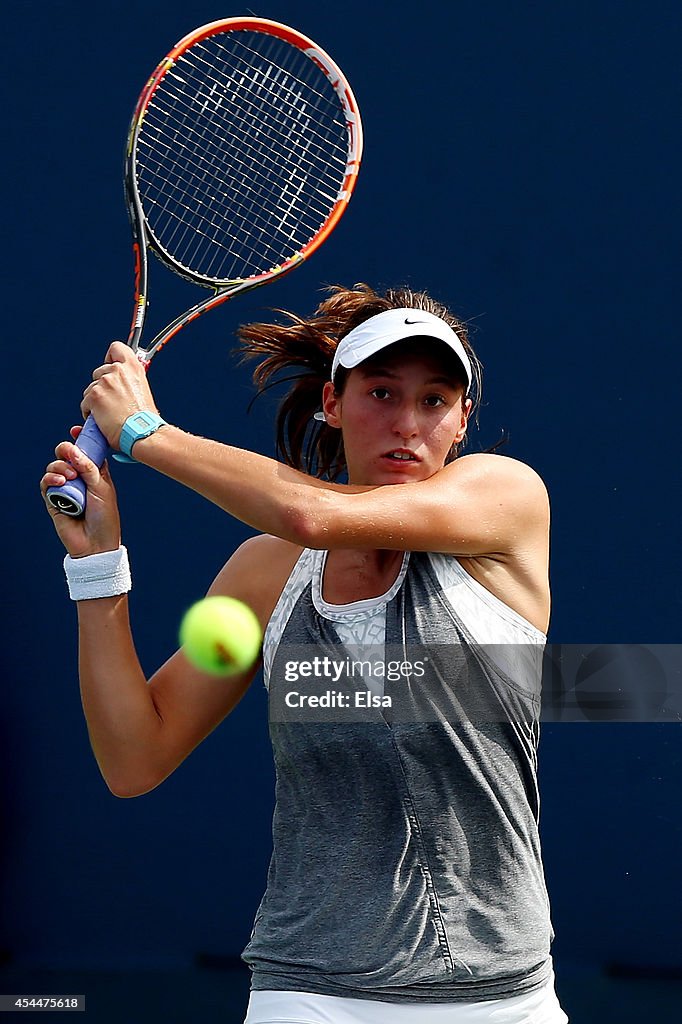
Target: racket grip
x,y
70,498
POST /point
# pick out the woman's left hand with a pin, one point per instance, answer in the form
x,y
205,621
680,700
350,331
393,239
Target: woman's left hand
x,y
119,388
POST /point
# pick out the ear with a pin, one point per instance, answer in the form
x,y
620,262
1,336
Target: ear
x,y
462,429
331,405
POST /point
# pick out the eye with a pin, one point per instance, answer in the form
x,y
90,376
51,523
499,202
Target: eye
x,y
381,393
434,401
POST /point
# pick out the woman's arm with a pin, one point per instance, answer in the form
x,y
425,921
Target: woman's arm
x,y
478,505
139,731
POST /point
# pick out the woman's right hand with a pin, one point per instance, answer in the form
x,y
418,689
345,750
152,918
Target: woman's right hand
x,y
100,528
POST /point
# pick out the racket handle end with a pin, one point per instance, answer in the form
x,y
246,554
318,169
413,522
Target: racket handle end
x,y
71,497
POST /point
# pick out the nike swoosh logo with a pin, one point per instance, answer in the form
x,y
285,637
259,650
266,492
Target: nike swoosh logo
x,y
415,321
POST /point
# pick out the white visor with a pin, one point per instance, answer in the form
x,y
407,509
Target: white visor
x,y
395,325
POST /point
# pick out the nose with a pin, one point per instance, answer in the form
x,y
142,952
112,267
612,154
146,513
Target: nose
x,y
405,423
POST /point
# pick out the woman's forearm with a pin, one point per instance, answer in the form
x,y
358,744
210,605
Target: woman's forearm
x,y
479,504
123,724
259,491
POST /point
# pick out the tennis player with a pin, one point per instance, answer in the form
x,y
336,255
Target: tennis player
x,y
406,884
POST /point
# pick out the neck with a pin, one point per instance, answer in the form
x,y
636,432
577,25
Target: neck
x,y
356,575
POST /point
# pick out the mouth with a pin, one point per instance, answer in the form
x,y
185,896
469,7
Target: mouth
x,y
401,455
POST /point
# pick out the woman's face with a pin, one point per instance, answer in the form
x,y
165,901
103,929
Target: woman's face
x,y
400,413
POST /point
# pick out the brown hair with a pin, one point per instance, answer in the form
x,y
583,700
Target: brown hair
x,y
307,347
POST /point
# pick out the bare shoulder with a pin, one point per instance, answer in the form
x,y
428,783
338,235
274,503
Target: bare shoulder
x,y
513,496
257,572
501,467
516,482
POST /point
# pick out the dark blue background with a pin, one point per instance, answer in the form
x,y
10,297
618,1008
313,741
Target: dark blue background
x,y
522,163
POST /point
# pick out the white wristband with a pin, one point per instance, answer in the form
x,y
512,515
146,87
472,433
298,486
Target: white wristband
x,y
106,574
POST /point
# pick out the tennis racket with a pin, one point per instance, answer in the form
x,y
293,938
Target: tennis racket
x,y
242,154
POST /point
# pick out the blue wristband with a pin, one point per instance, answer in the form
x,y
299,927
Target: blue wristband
x,y
137,426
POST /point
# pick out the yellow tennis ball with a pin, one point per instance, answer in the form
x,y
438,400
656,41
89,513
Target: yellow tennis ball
x,y
221,636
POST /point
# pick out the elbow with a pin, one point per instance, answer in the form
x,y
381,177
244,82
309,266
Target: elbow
x,y
323,522
125,788
306,528
121,793
122,790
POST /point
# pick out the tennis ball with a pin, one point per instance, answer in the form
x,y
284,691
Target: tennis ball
x,y
220,635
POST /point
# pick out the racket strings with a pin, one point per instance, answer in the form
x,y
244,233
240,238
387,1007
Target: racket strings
x,y
320,200
288,88
218,140
247,209
286,78
241,156
269,168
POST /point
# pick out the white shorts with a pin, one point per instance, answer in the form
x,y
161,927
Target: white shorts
x,y
538,1007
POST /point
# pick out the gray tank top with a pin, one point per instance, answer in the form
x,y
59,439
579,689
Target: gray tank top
x,y
406,859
